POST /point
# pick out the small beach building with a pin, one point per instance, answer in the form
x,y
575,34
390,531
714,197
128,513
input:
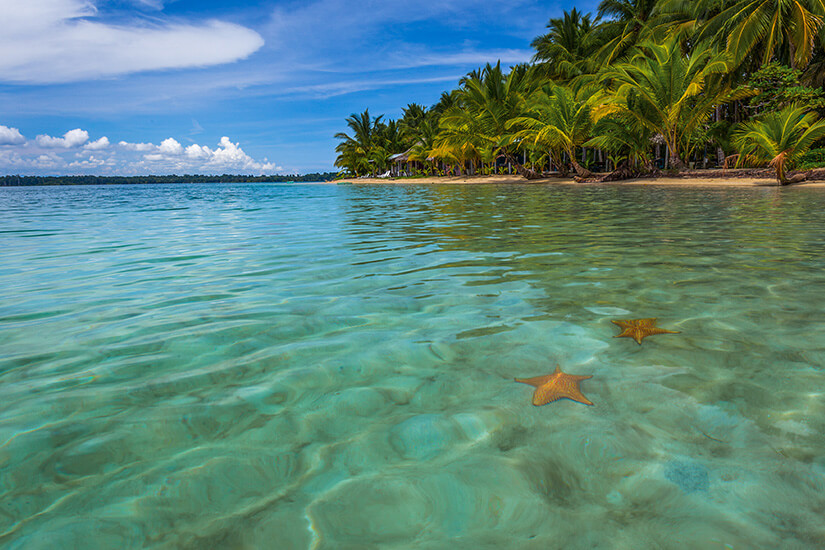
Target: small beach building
x,y
400,164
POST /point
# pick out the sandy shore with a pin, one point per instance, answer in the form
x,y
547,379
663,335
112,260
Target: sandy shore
x,y
693,180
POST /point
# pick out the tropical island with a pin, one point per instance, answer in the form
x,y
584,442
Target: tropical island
x,y
641,89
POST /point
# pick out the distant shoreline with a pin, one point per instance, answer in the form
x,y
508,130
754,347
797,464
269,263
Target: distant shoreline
x,y
23,181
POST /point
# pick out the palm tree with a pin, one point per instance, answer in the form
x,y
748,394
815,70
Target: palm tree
x,y
555,120
477,120
355,151
779,138
412,118
352,159
447,100
390,136
625,139
568,46
667,91
782,30
427,132
627,22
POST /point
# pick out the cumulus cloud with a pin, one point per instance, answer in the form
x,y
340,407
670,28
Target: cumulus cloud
x,y
46,161
228,156
170,146
231,155
72,138
89,164
50,41
10,136
198,152
97,145
136,146
74,153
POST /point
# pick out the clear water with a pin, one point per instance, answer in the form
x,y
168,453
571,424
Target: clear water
x,y
261,366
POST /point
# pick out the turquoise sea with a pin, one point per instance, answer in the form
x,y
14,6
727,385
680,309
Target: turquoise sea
x,y
331,367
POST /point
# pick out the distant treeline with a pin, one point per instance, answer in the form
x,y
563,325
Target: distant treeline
x,y
6,181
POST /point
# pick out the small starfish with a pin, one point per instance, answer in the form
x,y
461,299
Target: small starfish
x,y
639,329
558,385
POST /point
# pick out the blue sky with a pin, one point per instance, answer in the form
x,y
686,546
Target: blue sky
x,y
260,86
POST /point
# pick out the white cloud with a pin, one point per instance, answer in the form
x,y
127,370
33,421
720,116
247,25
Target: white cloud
x,y
72,138
102,143
48,41
10,159
88,164
231,156
46,160
136,146
10,136
197,152
227,156
170,146
75,154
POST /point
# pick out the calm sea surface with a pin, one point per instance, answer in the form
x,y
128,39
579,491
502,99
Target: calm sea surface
x,y
331,367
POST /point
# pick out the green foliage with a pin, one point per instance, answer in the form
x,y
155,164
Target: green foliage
x,y
476,125
813,158
757,30
624,139
568,46
555,119
668,91
638,76
625,25
780,138
779,86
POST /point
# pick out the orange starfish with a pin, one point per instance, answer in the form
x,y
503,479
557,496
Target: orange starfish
x,y
558,385
639,329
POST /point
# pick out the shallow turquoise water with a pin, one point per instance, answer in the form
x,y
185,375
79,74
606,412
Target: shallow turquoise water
x,y
262,366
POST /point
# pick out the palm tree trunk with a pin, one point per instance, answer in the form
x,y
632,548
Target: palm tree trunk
x,y
675,159
581,171
779,164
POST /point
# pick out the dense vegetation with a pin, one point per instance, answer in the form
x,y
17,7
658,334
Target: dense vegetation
x,y
638,87
130,180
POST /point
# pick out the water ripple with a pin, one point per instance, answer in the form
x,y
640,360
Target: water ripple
x,y
332,367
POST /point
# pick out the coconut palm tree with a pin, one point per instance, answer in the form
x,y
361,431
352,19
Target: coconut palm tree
x,y
764,30
625,139
668,91
554,119
477,120
567,47
447,100
352,158
389,135
626,24
413,116
355,151
422,150
779,138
